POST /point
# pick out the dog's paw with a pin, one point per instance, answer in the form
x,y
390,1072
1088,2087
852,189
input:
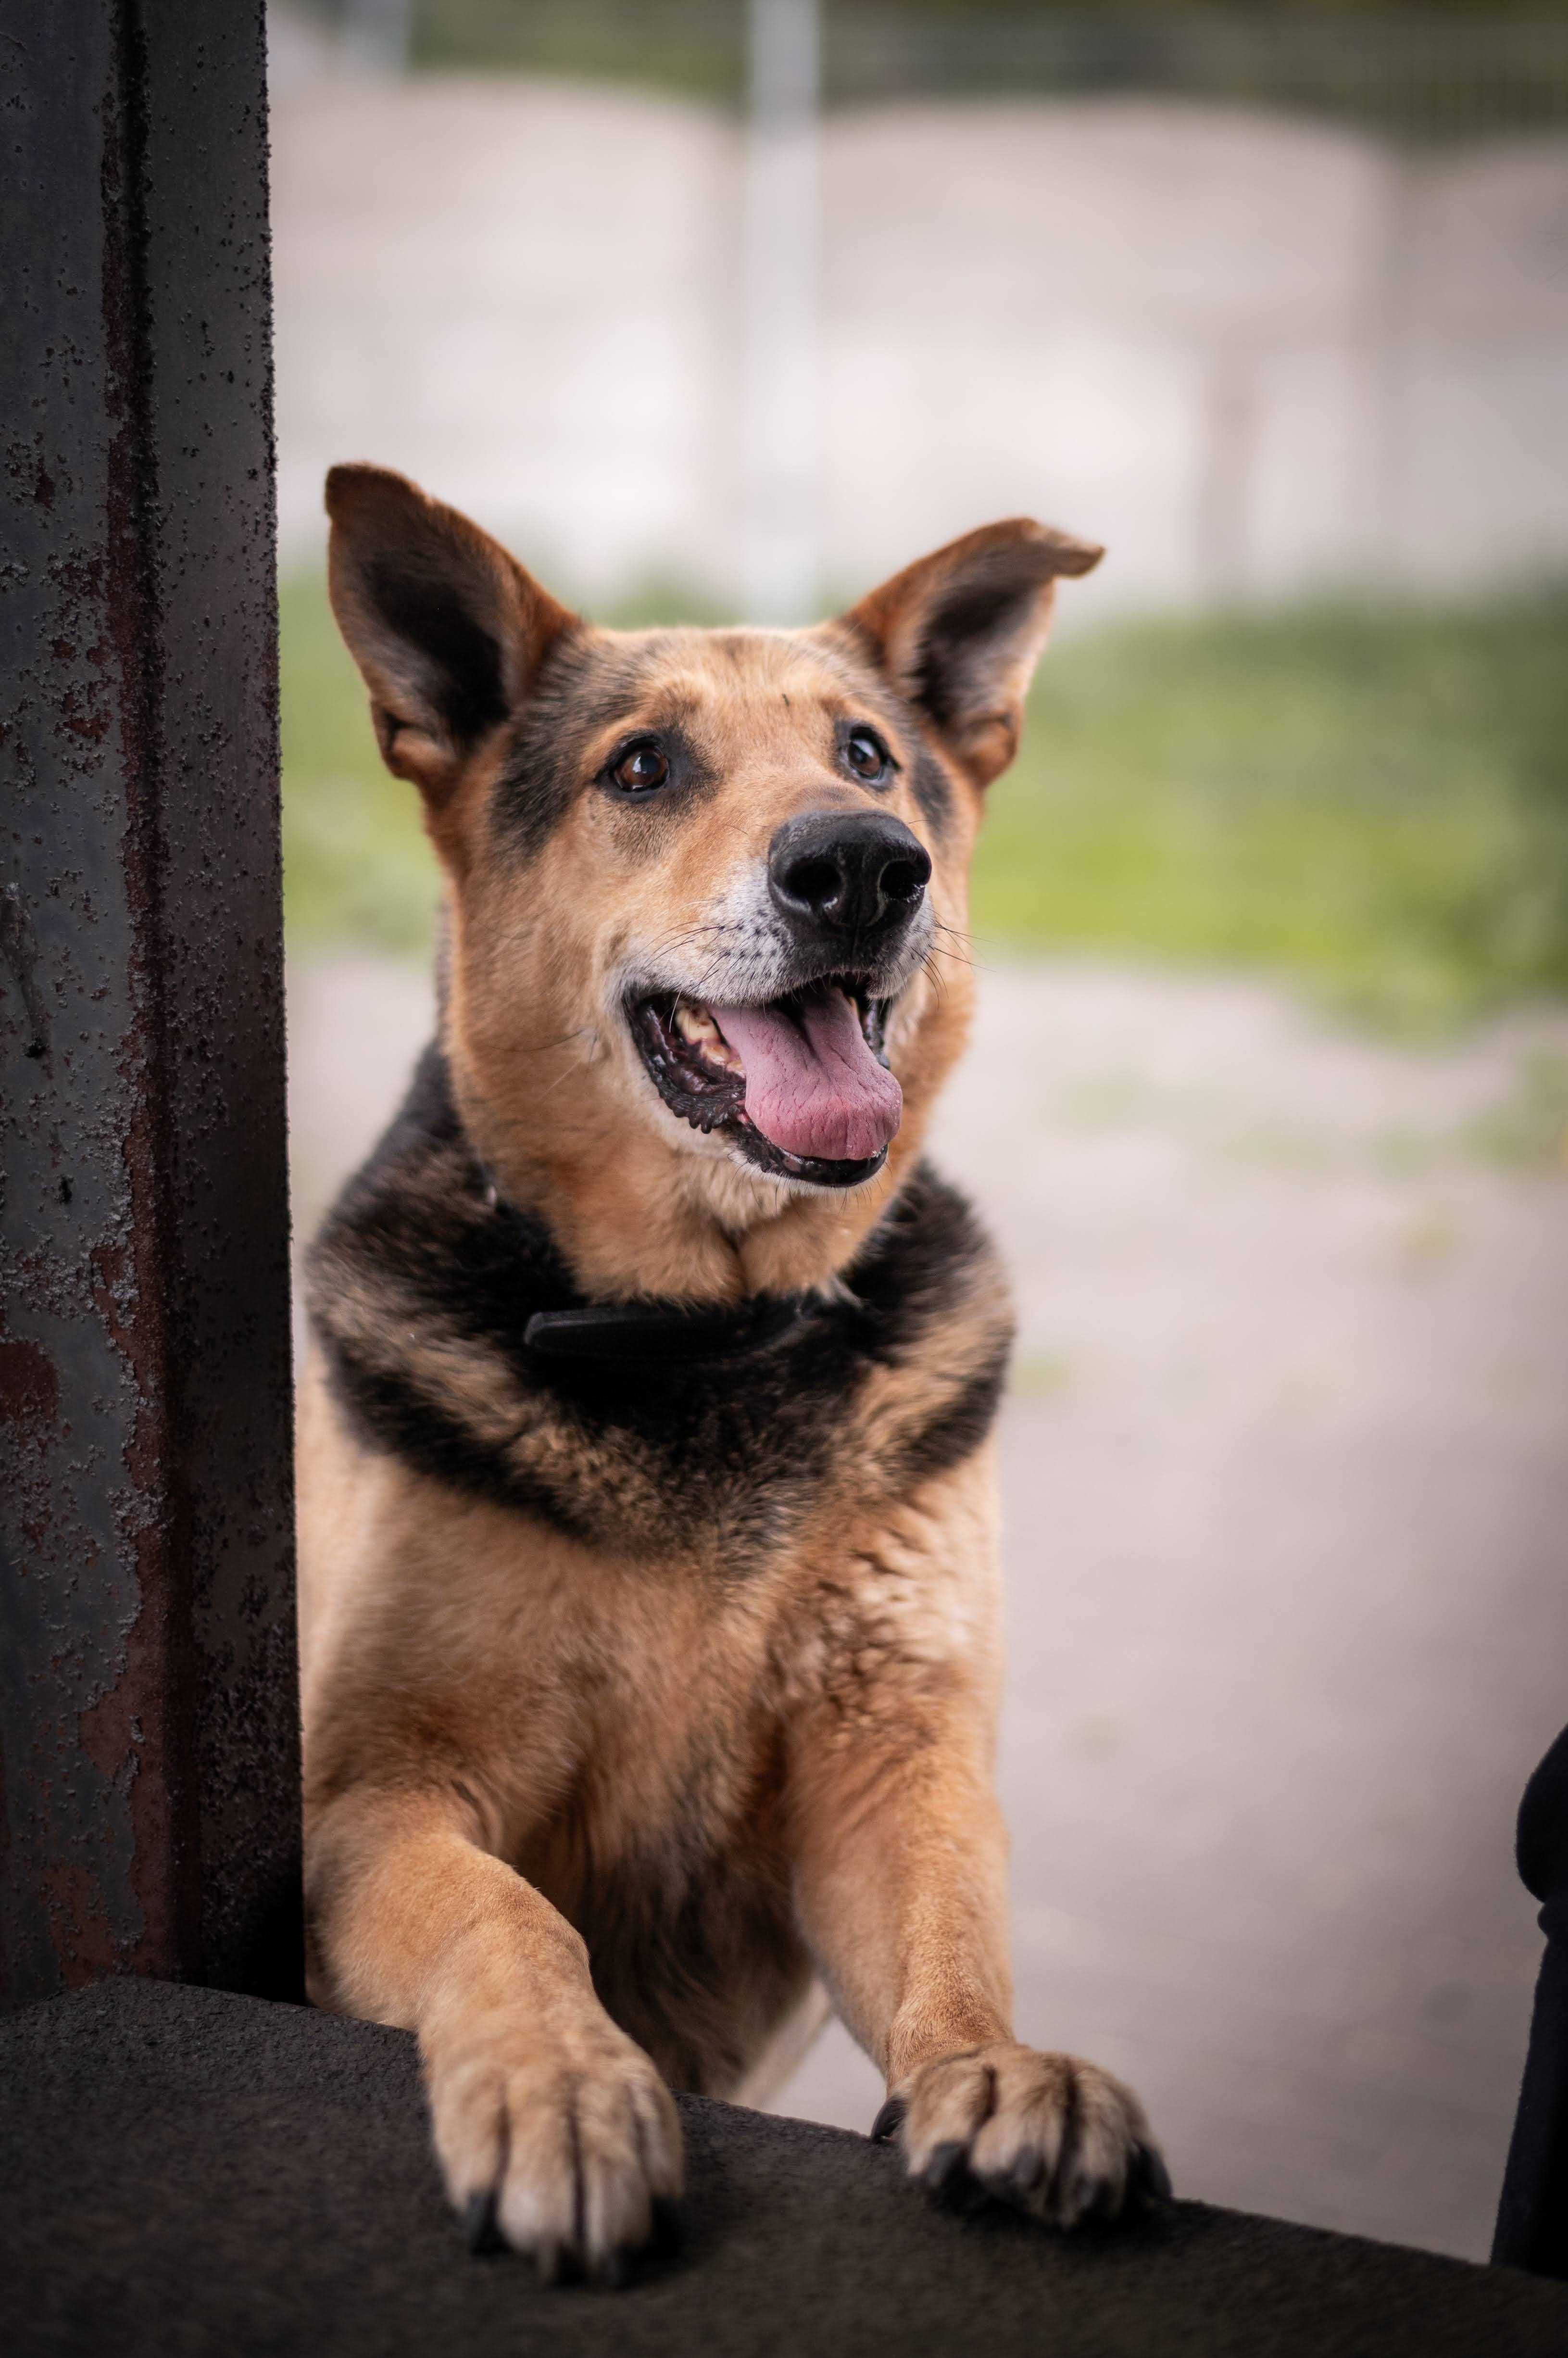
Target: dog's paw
x,y
1046,2133
565,2145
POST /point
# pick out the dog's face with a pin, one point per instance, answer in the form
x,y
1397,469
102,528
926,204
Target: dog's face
x,y
707,888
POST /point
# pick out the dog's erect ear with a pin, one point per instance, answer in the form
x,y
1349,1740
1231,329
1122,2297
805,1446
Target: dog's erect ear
x,y
445,627
960,632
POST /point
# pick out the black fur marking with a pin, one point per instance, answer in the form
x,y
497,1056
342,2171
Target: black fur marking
x,y
407,1420
958,1429
584,686
579,689
414,1266
929,784
463,660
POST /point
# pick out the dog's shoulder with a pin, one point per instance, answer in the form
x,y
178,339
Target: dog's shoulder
x,y
421,1287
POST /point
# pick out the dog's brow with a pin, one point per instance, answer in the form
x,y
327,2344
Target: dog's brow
x,y
647,706
666,703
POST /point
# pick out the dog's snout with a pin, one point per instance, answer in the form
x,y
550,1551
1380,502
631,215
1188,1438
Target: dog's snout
x,y
850,873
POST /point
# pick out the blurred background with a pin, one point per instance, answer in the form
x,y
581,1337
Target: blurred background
x,y
732,306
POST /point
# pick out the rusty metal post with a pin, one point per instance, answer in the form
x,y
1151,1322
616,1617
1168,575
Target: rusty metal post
x,y
148,1685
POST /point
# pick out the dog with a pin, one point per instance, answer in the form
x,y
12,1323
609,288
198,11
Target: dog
x,y
649,1591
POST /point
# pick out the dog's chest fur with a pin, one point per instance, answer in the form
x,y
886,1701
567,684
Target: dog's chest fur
x,y
421,1287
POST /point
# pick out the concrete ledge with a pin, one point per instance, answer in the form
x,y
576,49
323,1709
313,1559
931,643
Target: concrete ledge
x,y
185,2171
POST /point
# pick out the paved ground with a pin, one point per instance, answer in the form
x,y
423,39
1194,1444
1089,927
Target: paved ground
x,y
1287,1488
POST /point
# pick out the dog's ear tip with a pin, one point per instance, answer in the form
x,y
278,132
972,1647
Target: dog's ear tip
x,y
1067,552
355,483
1074,555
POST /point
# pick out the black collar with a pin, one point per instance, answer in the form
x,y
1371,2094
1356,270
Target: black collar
x,y
665,1334
655,1334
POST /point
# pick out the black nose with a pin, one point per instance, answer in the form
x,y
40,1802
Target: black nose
x,y
857,872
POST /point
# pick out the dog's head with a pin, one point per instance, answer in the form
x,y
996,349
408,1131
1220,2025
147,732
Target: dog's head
x,y
707,889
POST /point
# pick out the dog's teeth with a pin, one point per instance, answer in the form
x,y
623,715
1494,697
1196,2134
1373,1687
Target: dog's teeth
x,y
695,1025
697,1028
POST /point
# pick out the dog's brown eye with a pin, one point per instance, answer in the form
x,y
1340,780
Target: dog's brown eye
x,y
866,754
640,770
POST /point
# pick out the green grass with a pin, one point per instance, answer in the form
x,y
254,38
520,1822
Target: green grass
x,y
1372,802
356,867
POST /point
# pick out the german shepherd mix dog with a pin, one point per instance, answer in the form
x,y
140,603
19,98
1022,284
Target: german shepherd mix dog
x,y
650,1597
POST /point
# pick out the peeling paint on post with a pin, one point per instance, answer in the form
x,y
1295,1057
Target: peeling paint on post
x,y
148,1679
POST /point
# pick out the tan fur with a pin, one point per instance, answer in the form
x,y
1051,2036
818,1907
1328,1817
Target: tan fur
x,y
640,1211
511,1733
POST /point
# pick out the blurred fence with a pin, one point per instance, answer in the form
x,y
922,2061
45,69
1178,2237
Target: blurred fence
x,y
1257,348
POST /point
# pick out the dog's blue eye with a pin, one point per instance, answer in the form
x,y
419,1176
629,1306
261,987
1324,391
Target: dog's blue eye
x,y
866,754
640,770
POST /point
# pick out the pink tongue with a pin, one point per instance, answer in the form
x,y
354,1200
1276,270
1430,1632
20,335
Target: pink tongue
x,y
812,1084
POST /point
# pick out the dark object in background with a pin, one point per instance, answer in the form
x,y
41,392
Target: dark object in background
x,y
148,1683
1532,2217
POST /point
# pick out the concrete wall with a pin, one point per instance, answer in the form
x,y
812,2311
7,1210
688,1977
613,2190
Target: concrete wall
x,y
1251,354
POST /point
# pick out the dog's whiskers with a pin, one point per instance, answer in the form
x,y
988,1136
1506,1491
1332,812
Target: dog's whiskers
x,y
569,1072
541,1047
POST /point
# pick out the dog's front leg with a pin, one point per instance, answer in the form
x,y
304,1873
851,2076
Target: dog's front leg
x,y
555,2131
900,1865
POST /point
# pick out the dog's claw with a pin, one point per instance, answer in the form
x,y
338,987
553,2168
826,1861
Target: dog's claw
x,y
669,2225
479,2223
1055,2137
946,2172
889,2121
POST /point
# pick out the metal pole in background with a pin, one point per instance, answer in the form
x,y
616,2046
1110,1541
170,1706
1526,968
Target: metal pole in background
x,y
148,1701
781,573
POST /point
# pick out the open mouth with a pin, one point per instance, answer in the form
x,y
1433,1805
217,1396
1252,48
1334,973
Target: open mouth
x,y
800,1085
